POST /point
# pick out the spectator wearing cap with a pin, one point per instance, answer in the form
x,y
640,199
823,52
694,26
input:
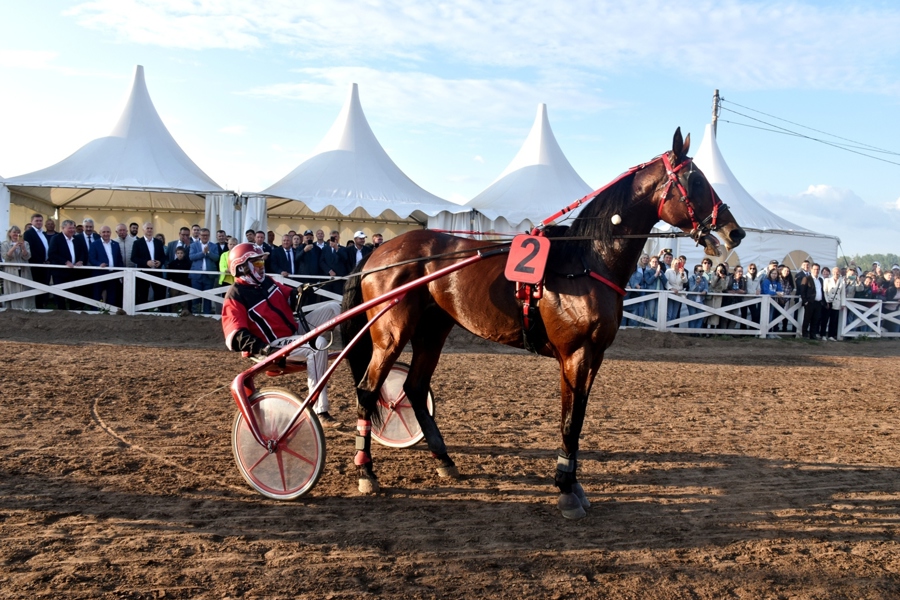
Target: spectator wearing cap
x,y
360,250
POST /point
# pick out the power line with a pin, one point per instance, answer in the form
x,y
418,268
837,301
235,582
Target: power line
x,y
810,128
854,147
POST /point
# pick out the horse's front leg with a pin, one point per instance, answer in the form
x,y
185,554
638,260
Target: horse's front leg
x,y
577,373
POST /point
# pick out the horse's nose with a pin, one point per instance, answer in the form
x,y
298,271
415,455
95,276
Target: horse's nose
x,y
737,234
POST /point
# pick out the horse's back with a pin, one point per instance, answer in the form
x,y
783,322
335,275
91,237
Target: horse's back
x,y
478,297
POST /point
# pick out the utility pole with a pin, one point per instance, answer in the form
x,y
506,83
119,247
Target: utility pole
x,y
715,112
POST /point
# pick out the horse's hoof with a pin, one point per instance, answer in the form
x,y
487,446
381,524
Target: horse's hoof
x,y
570,506
368,485
579,491
450,471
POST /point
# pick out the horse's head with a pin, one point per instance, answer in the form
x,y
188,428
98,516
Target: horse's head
x,y
688,201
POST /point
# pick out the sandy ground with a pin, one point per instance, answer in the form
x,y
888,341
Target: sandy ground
x,y
717,469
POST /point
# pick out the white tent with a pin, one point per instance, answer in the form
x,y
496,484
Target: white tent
x,y
768,235
538,182
137,171
351,180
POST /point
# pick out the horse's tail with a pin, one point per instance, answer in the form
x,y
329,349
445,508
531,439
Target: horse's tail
x,y
359,356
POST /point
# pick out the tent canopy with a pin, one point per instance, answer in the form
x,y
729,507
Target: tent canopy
x,y
138,166
746,210
351,174
537,182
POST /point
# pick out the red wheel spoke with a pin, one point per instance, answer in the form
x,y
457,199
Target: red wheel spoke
x,y
280,460
297,455
261,458
402,420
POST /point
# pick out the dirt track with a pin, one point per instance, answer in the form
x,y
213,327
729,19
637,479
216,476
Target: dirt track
x,y
717,469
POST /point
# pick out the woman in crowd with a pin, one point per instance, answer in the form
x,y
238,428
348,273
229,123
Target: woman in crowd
x,y
226,278
698,286
852,284
737,286
835,297
789,288
654,279
635,283
676,282
891,304
771,286
717,284
15,253
754,282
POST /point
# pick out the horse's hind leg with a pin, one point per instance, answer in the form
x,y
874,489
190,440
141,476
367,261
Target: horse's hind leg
x,y
427,343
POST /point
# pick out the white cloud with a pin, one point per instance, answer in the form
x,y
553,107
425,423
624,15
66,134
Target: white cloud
x,y
862,227
478,159
733,43
27,59
416,97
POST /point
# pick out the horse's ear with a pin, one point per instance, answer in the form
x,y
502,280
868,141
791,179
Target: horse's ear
x,y
680,146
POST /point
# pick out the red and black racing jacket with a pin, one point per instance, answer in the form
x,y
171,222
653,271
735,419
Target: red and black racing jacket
x,y
253,316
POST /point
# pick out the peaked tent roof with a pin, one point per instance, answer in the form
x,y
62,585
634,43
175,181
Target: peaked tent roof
x,y
349,172
139,165
746,210
537,182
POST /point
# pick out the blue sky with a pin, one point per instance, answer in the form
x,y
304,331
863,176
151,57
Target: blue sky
x,y
248,88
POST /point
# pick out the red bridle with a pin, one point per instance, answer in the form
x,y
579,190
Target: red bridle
x,y
698,229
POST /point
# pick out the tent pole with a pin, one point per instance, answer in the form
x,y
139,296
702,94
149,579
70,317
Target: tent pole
x,y
715,111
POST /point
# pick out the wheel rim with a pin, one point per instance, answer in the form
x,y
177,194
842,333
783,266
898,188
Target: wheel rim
x,y
399,427
295,466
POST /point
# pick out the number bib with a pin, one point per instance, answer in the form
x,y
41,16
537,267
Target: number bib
x,y
527,259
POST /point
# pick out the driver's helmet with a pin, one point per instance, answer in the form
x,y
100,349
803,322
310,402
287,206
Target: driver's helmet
x,y
245,253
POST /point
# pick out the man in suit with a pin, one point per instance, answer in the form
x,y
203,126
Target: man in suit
x,y
183,241
802,272
284,259
40,248
811,296
260,240
68,250
333,263
105,253
90,236
204,256
147,252
221,242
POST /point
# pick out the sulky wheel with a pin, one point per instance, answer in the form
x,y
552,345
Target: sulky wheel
x,y
295,466
399,427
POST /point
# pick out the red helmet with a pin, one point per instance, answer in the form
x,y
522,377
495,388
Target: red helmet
x,y
242,253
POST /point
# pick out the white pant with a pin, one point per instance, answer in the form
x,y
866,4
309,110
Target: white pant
x,y
316,360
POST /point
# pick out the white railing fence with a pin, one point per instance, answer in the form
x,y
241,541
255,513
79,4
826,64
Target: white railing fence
x,y
642,308
650,310
81,290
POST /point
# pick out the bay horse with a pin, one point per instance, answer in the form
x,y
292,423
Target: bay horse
x,y
589,263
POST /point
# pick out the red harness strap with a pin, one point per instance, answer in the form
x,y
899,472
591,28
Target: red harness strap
x,y
603,279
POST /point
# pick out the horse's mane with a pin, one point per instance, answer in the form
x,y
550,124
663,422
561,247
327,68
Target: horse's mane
x,y
595,220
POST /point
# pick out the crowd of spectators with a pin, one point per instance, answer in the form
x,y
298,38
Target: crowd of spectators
x,y
308,258
822,292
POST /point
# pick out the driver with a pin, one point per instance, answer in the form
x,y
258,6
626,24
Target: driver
x,y
257,318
